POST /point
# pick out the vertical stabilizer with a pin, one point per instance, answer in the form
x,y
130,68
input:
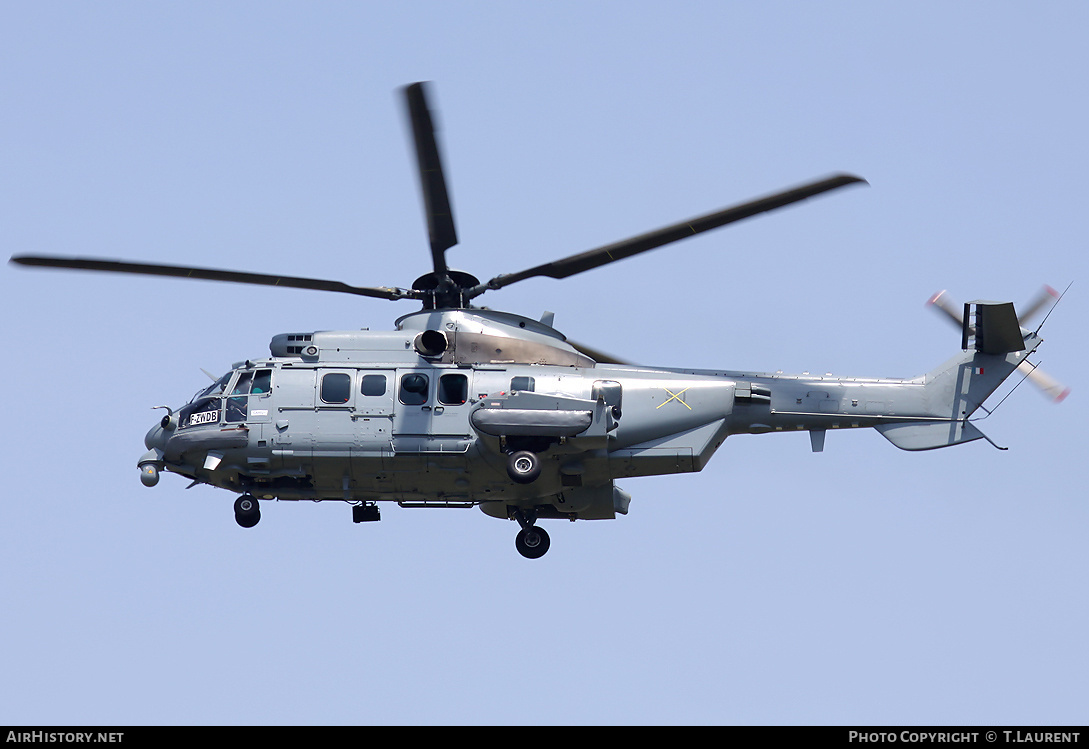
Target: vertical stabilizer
x,y
959,386
953,391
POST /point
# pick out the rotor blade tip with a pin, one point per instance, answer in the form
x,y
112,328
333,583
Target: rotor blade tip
x,y
935,297
1062,396
852,179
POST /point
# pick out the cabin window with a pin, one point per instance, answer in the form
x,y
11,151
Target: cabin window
x,y
373,384
336,387
521,383
453,389
414,389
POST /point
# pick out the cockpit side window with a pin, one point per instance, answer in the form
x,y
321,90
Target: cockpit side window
x,y
262,382
249,383
237,403
242,387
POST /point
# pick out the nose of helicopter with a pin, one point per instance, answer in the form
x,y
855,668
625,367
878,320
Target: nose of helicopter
x,y
155,438
155,442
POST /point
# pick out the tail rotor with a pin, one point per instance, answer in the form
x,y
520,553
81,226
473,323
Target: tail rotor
x,y
1044,300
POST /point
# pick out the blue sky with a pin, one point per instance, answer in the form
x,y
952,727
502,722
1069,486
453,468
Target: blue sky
x,y
862,585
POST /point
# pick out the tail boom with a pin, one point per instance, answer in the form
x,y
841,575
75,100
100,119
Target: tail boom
x,y
922,413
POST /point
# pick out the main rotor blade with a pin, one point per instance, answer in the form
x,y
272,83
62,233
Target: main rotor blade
x,y
207,274
597,355
585,261
440,217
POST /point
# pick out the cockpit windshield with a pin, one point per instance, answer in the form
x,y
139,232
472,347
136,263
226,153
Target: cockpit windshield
x,y
221,402
216,388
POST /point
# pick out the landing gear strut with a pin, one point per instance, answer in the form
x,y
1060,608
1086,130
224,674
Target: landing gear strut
x,y
246,511
532,542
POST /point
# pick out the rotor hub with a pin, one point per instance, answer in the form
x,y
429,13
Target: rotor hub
x,y
445,290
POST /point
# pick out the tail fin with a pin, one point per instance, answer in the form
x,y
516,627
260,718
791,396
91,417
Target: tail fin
x,y
994,347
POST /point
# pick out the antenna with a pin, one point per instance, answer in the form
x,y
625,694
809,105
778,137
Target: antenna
x,y
1056,304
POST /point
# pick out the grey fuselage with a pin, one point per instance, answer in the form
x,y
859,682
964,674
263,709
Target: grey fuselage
x,y
425,416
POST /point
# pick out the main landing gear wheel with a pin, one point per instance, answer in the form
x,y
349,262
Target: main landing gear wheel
x,y
532,542
523,467
246,511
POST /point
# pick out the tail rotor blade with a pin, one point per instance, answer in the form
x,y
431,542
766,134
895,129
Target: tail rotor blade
x,y
1047,296
1048,385
943,303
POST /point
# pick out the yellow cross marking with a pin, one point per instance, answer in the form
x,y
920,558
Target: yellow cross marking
x,y
673,395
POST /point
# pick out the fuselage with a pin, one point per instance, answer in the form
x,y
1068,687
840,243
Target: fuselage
x,y
427,414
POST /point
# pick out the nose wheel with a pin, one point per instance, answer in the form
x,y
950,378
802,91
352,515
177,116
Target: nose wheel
x,y
246,511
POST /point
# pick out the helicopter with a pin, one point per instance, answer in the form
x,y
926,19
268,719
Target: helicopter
x,y
463,406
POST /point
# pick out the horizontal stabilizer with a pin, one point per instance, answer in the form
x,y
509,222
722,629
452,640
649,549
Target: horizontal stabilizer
x,y
929,435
